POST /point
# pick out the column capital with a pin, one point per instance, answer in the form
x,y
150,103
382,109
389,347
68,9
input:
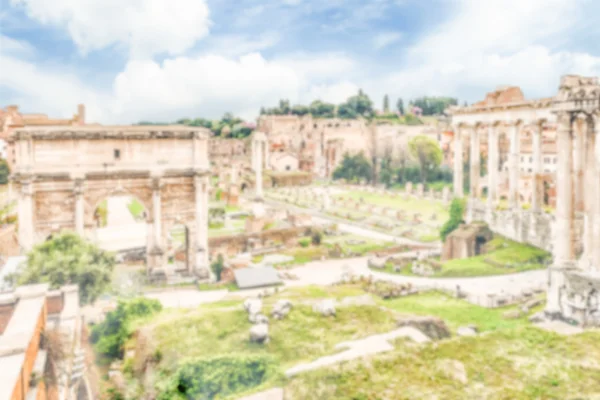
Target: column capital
x,y
78,186
26,188
157,183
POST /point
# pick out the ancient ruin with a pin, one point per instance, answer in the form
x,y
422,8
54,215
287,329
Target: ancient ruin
x,y
62,173
573,234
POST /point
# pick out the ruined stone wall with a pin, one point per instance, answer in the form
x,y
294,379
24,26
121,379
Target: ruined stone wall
x,y
230,246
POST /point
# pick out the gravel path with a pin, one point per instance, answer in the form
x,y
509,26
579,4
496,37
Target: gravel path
x,y
360,348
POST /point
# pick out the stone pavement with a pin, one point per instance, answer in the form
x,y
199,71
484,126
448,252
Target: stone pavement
x,y
361,348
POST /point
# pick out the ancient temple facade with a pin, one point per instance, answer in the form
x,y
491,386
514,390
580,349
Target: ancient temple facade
x,y
572,231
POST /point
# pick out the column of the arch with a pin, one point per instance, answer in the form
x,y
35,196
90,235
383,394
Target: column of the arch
x,y
253,147
536,148
513,191
492,169
155,258
79,209
589,183
563,229
25,214
258,170
458,163
201,186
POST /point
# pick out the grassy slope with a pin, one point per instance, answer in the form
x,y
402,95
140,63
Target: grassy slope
x,y
511,361
524,363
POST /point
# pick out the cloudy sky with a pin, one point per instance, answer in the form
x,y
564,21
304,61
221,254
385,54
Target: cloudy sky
x,y
160,60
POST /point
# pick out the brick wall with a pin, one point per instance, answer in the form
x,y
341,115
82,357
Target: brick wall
x,y
6,311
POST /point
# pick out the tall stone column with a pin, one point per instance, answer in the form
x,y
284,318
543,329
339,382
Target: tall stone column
x,y
25,214
589,183
492,168
578,161
596,190
201,186
267,155
156,212
475,163
458,163
258,170
79,209
515,139
563,229
536,199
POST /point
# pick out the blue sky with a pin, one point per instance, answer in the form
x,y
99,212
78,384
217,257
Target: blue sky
x,y
166,59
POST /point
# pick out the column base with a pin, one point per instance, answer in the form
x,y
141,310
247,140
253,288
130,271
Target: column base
x,y
155,259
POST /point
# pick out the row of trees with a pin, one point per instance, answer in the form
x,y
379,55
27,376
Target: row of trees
x,y
228,126
359,105
421,164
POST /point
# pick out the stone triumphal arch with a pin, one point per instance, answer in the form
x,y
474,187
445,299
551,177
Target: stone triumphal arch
x,y
62,173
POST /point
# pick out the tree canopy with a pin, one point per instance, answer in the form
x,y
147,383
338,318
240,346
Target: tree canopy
x,y
354,168
434,105
426,152
4,172
400,106
69,259
457,210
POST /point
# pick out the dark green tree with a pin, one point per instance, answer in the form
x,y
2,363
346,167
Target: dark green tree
x,y
68,259
319,109
386,104
300,110
400,106
427,153
217,266
354,168
110,335
4,172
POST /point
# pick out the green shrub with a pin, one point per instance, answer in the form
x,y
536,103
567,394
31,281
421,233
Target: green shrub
x,y
457,210
216,377
218,194
304,242
110,335
217,267
316,237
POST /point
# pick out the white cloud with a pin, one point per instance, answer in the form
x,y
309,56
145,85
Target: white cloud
x,y
490,43
319,67
385,39
143,27
236,45
16,47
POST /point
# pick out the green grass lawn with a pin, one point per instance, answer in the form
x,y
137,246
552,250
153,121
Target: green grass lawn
x,y
135,208
410,205
510,360
515,257
521,363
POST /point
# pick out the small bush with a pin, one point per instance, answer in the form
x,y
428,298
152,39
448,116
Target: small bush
x,y
316,237
216,377
110,335
304,242
457,210
217,267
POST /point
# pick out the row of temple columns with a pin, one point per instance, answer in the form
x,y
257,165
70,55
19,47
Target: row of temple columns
x,y
577,179
493,162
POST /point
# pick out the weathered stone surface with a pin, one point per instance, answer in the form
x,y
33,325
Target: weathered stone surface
x,y
281,309
253,306
325,308
258,319
466,331
259,333
512,314
453,369
435,328
377,262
